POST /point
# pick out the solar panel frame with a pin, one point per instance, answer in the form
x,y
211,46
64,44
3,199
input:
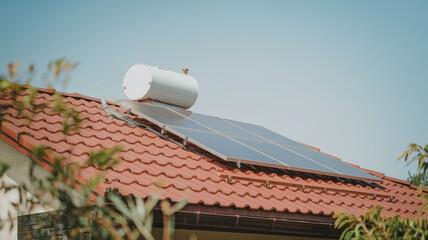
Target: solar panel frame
x,y
185,125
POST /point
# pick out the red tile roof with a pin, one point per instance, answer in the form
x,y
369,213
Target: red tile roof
x,y
200,178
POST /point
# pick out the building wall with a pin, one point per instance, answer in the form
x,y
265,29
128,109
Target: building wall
x,y
9,229
48,225
16,175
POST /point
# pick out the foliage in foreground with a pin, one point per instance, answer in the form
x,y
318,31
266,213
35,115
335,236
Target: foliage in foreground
x,y
375,226
105,216
419,179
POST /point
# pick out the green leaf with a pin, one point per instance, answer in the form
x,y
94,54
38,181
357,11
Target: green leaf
x,y
39,152
104,158
3,168
119,204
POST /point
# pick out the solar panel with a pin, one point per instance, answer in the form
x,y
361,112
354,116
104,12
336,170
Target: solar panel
x,y
243,142
267,134
227,148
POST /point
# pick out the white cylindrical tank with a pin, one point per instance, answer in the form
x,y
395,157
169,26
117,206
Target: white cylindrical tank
x,y
147,82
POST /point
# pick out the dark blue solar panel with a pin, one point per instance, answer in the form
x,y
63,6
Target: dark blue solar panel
x,y
231,149
267,134
328,161
290,158
244,142
217,124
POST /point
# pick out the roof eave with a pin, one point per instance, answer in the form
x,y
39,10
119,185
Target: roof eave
x,y
216,218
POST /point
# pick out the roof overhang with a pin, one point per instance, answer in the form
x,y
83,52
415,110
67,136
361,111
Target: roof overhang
x,y
213,218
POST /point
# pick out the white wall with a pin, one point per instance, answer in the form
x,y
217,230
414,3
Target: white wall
x,y
7,209
17,174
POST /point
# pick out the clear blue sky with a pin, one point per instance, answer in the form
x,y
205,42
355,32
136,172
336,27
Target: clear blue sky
x,y
350,78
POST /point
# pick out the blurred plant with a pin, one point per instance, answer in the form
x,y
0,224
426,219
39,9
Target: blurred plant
x,y
59,70
105,215
373,225
418,179
417,153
